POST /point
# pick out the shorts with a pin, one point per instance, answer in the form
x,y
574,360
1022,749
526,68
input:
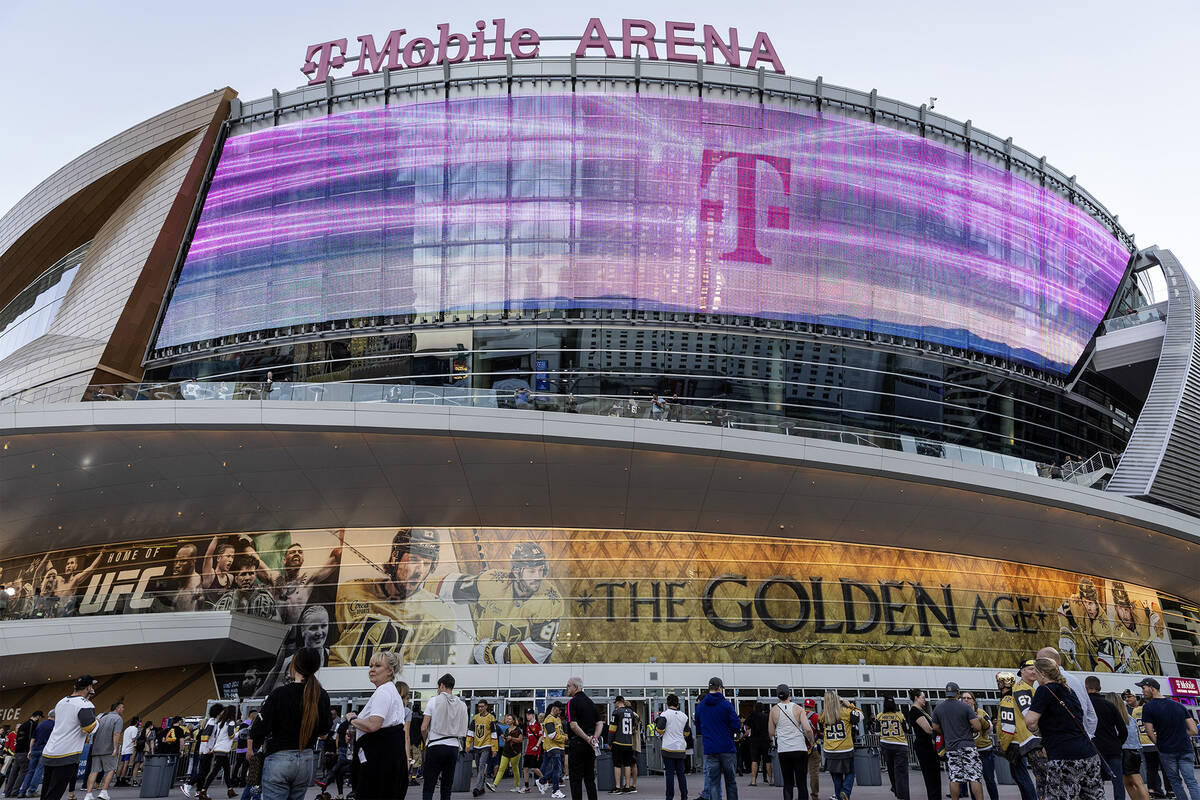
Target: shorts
x,y
1067,780
623,757
125,757
139,756
760,751
1131,762
965,764
105,763
531,761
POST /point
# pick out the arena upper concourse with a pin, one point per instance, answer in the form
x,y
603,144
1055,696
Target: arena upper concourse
x,y
619,367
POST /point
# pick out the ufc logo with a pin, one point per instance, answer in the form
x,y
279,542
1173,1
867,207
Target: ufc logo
x,y
105,591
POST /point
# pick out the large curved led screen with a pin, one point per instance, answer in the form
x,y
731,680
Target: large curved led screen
x,y
516,203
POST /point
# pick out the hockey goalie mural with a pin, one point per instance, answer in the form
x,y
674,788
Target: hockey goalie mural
x,y
536,596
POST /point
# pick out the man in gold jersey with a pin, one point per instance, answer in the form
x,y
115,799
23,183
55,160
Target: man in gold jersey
x,y
1014,736
1134,632
1085,634
395,611
516,613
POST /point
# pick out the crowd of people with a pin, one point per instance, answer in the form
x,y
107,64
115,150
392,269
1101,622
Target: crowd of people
x,y
1061,737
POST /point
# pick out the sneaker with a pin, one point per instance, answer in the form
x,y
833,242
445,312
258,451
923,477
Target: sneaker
x,y
541,787
89,796
558,794
631,790
614,790
186,788
488,785
102,794
843,796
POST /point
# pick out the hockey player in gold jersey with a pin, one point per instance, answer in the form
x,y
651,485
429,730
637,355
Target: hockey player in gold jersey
x,y
516,613
1135,630
1015,739
395,611
1085,634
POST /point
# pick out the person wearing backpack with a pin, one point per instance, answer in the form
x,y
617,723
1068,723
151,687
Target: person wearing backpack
x,y
444,725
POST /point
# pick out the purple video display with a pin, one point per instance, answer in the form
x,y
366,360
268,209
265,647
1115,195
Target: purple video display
x,y
519,203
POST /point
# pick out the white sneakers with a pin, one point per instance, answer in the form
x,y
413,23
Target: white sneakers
x,y
541,787
558,794
186,788
88,796
103,794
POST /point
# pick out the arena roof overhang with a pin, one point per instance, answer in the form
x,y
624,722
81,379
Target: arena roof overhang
x,y
125,643
95,473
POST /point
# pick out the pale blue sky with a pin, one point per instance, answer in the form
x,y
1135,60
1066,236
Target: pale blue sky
x,y
1105,89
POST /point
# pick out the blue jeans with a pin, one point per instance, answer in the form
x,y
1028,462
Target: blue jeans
x,y
1118,776
34,776
1176,763
716,766
1023,780
552,768
674,769
287,775
842,782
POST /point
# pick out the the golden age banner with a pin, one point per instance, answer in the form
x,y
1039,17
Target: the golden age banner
x,y
528,596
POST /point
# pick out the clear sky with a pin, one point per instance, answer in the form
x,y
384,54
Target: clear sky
x,y
1106,90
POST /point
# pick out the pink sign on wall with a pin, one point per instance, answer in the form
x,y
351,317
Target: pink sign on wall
x,y
1188,687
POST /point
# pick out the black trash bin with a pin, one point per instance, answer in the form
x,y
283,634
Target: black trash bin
x,y
157,775
462,772
867,770
604,771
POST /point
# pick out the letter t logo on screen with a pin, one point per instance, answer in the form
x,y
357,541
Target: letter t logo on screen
x,y
745,167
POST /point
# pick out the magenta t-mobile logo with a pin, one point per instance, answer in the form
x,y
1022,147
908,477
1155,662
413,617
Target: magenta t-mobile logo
x,y
746,244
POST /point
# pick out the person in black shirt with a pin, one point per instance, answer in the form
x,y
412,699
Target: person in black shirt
x,y
1073,765
760,743
20,764
921,724
172,737
622,732
1110,734
293,718
583,734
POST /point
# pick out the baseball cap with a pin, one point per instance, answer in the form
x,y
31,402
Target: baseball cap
x,y
619,699
716,683
83,681
1144,682
810,703
1127,693
783,690
952,689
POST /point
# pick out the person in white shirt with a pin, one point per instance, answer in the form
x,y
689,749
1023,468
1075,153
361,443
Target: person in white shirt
x,y
128,746
672,726
793,734
74,719
382,755
224,734
444,725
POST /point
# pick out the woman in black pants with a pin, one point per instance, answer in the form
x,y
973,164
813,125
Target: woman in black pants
x,y
224,738
381,743
921,723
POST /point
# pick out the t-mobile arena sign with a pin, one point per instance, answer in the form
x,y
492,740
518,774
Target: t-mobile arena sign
x,y
679,41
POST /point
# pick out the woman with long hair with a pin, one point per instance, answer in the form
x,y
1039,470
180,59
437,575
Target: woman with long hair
x,y
223,737
293,718
793,735
1073,765
894,745
1131,752
382,753
838,718
510,753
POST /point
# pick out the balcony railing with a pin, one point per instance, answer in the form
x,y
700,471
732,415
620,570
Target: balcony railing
x,y
689,411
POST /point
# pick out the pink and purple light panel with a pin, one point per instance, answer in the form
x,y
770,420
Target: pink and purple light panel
x,y
634,202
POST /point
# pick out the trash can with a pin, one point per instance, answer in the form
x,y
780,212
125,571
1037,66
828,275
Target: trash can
x,y
1004,771
157,775
866,767
604,774
462,773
